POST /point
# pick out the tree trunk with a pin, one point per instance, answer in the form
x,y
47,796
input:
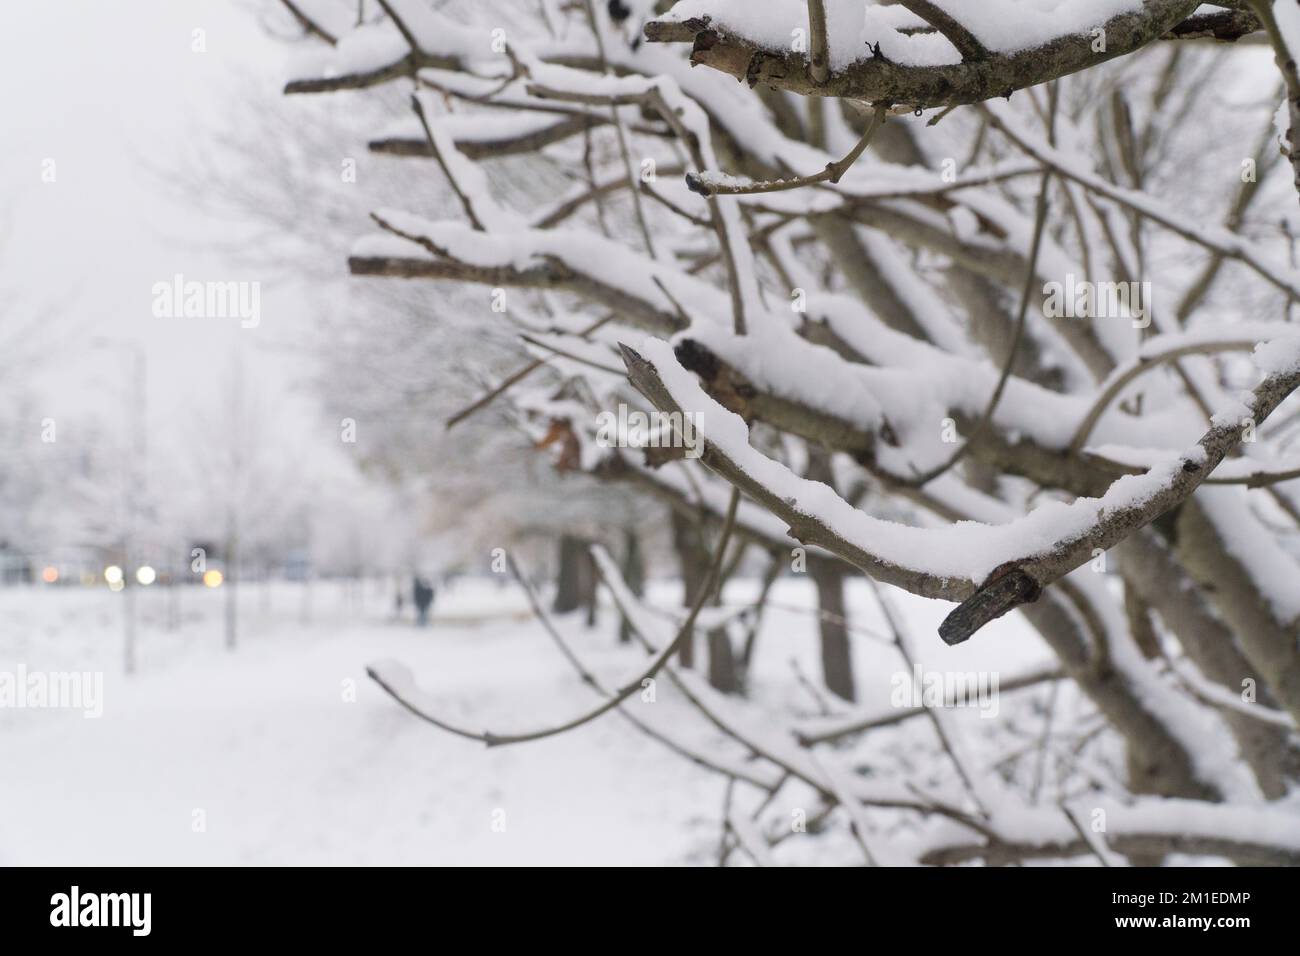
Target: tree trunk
x,y
837,657
633,576
1150,568
587,568
828,576
775,566
568,581
693,564
723,674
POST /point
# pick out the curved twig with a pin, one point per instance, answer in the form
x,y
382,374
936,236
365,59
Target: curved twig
x,y
1143,365
622,694
706,185
1040,220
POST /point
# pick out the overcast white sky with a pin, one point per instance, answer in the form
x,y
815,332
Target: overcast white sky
x,y
106,89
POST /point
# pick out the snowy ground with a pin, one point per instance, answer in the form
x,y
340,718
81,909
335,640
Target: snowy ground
x,y
266,748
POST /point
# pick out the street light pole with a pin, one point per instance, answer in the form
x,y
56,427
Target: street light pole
x,y
233,503
134,492
134,475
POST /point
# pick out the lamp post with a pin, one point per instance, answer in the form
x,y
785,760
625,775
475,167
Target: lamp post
x,y
134,475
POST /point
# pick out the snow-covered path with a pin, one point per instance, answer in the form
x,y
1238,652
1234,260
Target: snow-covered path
x,y
288,754
286,771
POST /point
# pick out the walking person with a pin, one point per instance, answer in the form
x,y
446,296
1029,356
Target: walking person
x,y
422,595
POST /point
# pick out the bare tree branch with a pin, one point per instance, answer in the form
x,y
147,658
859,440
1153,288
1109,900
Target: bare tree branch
x,y
966,43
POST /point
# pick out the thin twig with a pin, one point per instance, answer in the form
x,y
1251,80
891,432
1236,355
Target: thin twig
x,y
1141,367
949,746
573,358
402,28
673,207
985,419
621,133
517,376
590,679
307,23
956,33
833,172
819,60
465,202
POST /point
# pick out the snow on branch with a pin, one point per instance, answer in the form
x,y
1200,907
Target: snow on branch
x,y
411,37
991,569
992,49
966,43
1217,239
1249,836
582,262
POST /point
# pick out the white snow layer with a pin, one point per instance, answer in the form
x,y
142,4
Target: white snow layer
x,y
1002,26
